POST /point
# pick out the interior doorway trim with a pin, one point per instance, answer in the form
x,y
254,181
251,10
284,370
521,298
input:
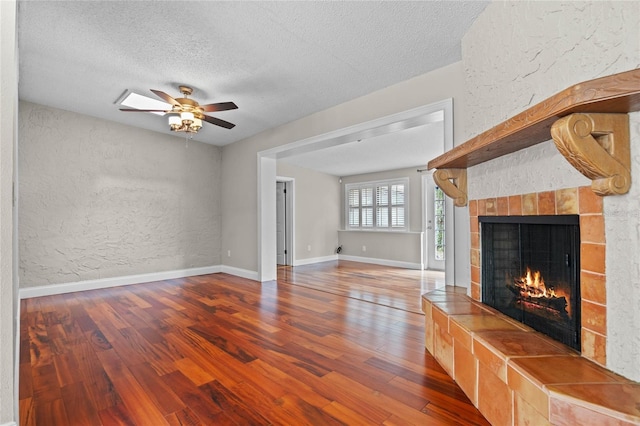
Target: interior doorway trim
x,y
267,270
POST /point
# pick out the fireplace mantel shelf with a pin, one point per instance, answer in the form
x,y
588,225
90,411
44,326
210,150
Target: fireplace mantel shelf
x,y
595,103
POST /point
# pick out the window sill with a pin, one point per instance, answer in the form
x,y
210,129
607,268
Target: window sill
x,y
382,231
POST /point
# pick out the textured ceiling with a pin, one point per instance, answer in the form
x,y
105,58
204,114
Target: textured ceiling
x,y
278,61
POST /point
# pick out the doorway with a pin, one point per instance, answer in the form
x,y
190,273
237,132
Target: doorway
x,y
266,162
284,221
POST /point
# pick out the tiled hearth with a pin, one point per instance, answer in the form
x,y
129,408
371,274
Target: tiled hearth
x,y
517,376
581,201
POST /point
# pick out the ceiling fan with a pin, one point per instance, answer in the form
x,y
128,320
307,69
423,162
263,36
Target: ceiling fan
x,y
187,114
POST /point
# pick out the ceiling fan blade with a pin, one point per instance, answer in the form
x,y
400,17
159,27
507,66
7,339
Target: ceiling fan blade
x,y
166,97
144,110
220,106
218,122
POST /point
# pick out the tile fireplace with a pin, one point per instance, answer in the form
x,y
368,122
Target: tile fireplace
x,y
517,376
586,250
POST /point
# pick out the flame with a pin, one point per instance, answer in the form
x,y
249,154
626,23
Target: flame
x,y
533,286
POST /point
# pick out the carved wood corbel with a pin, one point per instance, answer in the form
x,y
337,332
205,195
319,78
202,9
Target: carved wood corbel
x,y
597,145
453,182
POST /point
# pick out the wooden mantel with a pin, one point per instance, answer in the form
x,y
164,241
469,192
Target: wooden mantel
x,y
588,134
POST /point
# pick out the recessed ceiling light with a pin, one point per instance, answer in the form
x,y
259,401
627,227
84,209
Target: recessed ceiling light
x,y
134,100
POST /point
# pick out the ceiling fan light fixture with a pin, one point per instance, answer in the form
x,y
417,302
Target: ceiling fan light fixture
x,y
186,115
185,122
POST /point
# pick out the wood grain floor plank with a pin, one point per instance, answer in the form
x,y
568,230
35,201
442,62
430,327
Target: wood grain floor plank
x,y
204,355
99,386
116,415
79,408
51,413
45,383
331,343
27,411
305,413
66,367
162,395
193,371
41,350
203,407
345,415
184,417
141,405
25,380
237,410
291,384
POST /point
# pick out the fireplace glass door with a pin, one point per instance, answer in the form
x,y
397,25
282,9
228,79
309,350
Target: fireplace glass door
x,y
531,272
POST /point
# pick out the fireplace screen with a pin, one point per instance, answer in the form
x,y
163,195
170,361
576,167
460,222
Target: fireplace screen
x,y
531,272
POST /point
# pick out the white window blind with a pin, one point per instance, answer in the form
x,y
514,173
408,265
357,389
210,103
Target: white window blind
x,y
377,205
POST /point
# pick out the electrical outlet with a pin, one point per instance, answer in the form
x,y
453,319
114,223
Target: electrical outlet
x,y
364,248
228,253
309,247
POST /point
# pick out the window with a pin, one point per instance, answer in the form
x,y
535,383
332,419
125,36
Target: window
x,y
438,220
377,205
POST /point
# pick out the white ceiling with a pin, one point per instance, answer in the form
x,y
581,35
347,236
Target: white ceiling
x,y
278,61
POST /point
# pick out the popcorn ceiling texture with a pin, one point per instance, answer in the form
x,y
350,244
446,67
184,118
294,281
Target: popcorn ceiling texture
x,y
538,49
102,200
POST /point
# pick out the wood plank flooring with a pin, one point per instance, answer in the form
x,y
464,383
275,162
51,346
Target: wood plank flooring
x,y
222,350
382,285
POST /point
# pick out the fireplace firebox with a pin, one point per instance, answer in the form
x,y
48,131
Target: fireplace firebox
x,y
531,272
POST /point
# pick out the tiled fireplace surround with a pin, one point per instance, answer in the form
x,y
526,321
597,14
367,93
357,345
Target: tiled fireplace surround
x,y
581,201
514,375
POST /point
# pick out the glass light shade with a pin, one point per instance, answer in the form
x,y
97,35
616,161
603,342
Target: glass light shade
x,y
197,124
174,120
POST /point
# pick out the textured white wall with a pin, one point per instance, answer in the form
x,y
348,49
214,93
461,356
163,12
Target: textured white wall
x,y
537,169
517,54
101,200
8,293
622,230
317,211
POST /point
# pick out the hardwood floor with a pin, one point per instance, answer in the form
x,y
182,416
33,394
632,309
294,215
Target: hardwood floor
x,y
393,287
218,349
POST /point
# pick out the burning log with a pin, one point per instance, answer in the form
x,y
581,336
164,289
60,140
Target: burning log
x,y
531,289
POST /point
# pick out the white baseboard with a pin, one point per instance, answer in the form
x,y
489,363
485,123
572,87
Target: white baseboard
x,y
9,424
239,272
300,262
383,262
48,290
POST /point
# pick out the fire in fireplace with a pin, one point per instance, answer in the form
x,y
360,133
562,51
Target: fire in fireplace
x,y
531,272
